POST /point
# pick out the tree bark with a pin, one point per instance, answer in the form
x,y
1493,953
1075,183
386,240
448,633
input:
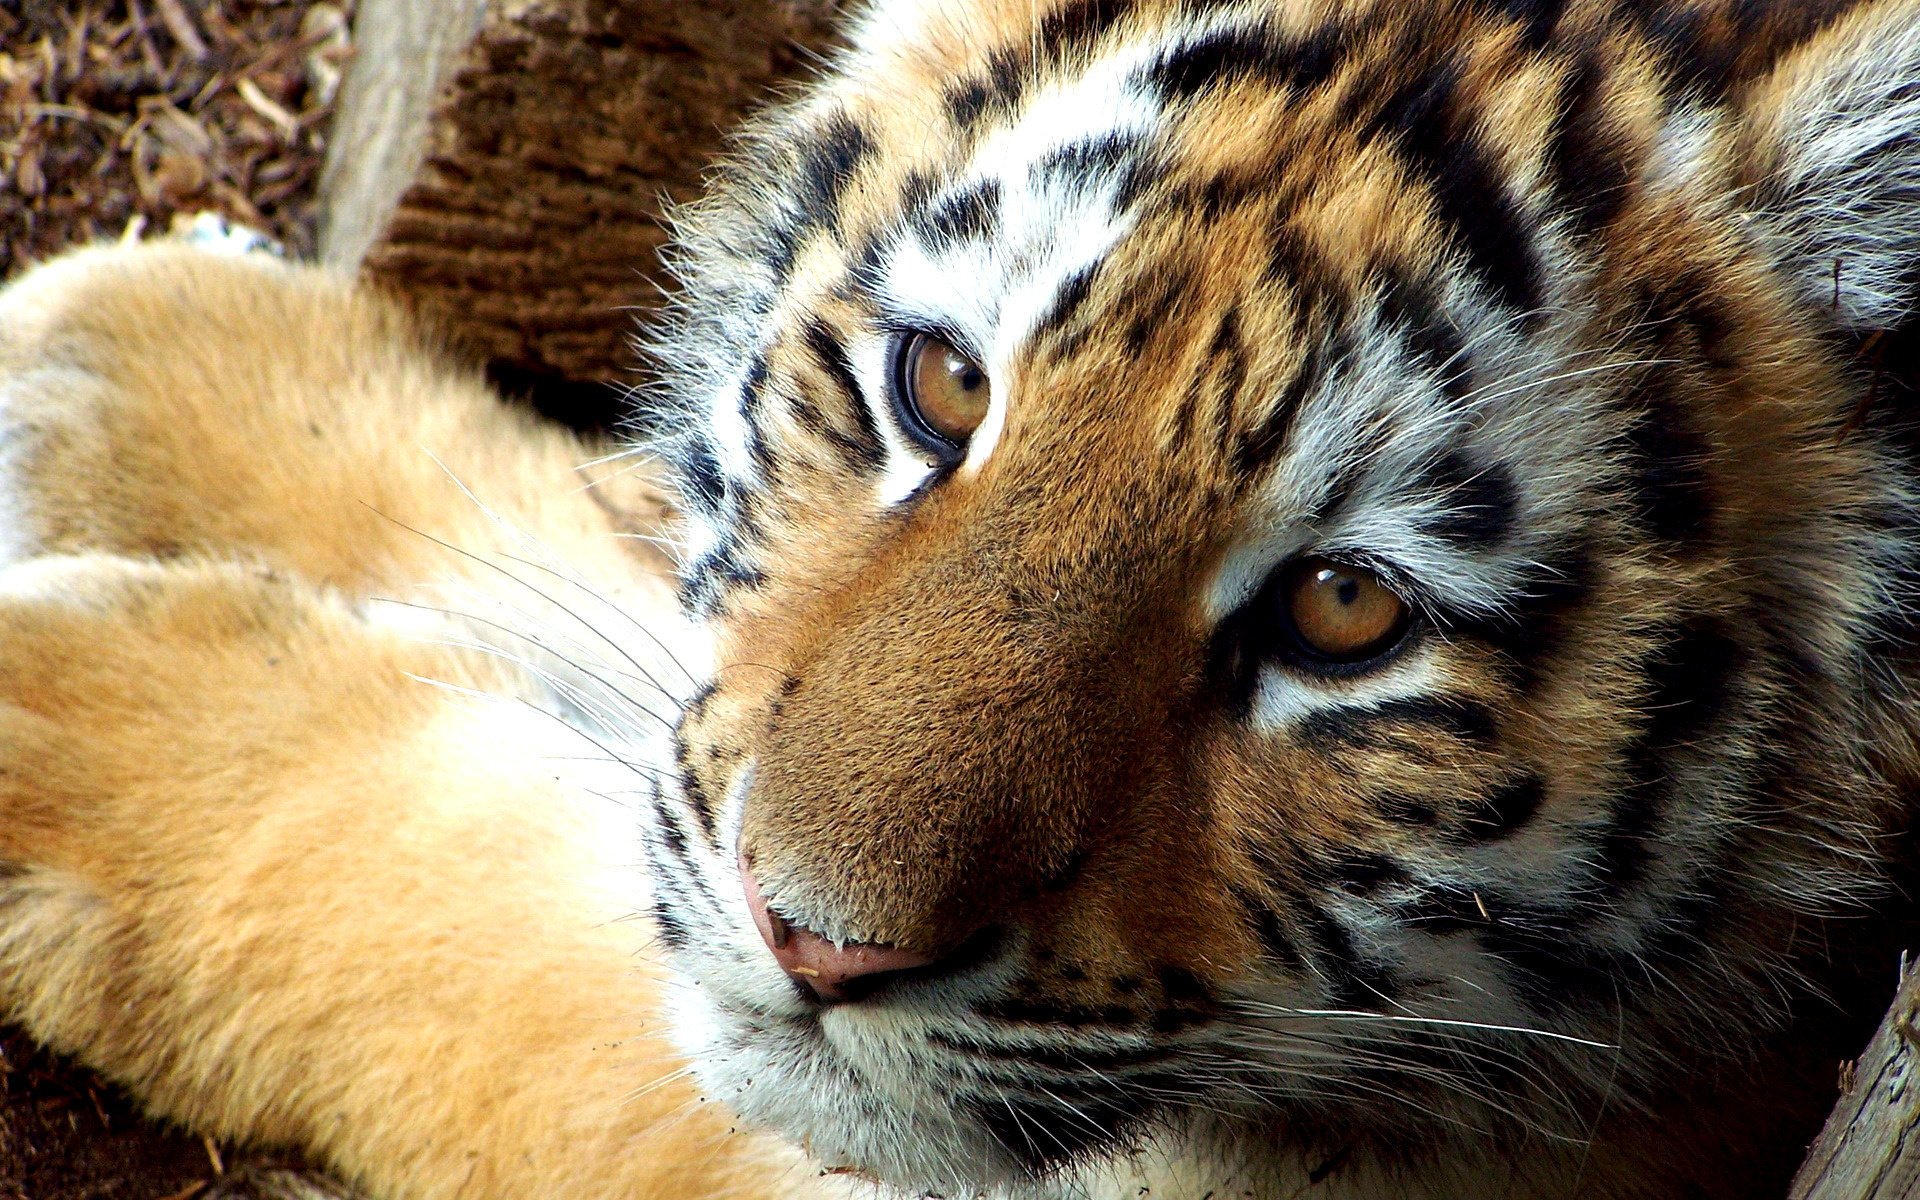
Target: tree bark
x,y
1870,1148
526,211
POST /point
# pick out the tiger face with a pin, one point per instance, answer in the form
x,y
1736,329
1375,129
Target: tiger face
x,y
1304,591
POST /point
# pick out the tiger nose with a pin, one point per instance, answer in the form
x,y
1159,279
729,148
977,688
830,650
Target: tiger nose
x,y
832,973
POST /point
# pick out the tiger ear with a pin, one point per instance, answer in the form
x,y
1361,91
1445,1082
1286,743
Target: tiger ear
x,y
1832,159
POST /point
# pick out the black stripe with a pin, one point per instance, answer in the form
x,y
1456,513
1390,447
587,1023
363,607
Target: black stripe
x,y
696,475
1466,185
673,932
1246,53
1092,161
963,216
692,791
1585,157
827,162
1041,1134
1412,308
1401,809
1690,674
1505,809
719,571
1266,926
1067,301
1258,446
863,444
1454,716
1537,18
1480,504
752,405
1157,303
996,91
1353,980
1363,872
1078,24
1226,370
1073,1062
967,101
1035,1012
1668,481
1700,60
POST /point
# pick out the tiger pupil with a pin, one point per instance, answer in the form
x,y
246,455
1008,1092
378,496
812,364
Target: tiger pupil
x,y
947,391
1342,613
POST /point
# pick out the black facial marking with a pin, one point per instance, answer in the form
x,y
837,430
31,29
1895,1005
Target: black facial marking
x,y
1152,304
964,216
1689,676
1272,934
1413,308
862,447
1480,505
1505,809
1544,962
673,932
1226,372
1093,161
1532,631
1361,872
1181,986
827,164
1668,481
718,571
1077,25
1067,301
1700,62
997,90
1043,1133
691,789
1406,810
1588,163
1353,980
1467,188
1365,725
1246,53
752,405
1078,1061
1536,17
697,471
1259,445
967,102
1036,1012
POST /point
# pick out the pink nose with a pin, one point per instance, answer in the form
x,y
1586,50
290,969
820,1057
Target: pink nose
x,y
831,972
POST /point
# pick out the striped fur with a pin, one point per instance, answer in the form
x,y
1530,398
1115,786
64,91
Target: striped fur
x,y
1551,314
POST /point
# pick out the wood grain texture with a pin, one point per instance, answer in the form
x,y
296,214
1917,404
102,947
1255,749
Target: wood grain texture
x,y
532,224
1870,1147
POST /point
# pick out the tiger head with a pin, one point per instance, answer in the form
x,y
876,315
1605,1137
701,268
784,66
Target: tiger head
x,y
1302,590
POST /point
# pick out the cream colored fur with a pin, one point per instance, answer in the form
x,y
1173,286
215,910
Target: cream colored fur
x,y
254,863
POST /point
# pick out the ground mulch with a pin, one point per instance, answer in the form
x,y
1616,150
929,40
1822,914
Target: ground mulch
x,y
127,114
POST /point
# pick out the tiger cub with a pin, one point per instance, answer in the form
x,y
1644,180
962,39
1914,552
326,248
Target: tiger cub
x,y
1312,598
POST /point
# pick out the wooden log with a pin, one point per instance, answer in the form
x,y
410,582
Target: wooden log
x,y
1870,1147
529,217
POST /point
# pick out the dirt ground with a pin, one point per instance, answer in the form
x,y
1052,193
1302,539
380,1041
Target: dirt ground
x,y
118,116
128,113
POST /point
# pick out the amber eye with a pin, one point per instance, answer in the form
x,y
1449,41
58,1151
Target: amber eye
x,y
1342,613
941,393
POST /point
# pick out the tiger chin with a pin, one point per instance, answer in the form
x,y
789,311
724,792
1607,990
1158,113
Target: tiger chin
x,y
1267,599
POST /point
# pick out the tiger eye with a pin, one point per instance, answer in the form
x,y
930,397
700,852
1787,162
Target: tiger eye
x,y
1343,613
947,392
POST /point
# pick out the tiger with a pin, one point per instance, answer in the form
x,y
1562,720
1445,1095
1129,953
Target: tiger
x,y
1211,599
